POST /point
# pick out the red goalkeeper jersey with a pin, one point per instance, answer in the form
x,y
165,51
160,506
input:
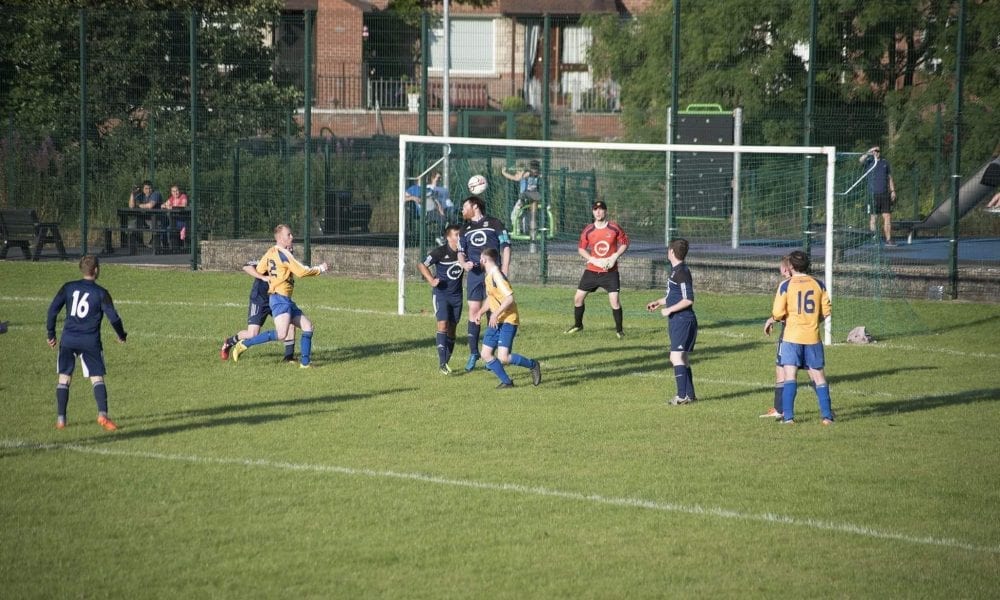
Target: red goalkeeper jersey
x,y
602,242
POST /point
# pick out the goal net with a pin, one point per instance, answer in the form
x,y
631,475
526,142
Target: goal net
x,y
741,207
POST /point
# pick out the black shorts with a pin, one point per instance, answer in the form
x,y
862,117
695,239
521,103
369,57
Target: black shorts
x,y
91,359
257,312
592,280
683,333
881,203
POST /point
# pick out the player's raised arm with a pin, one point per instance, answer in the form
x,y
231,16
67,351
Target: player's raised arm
x,y
300,270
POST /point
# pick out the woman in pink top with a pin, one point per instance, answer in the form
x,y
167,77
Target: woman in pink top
x,y
177,199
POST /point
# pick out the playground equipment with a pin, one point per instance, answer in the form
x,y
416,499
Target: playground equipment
x,y
974,190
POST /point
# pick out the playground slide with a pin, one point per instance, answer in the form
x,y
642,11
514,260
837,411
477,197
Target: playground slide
x,y
974,190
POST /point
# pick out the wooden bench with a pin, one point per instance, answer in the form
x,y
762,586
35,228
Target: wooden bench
x,y
21,228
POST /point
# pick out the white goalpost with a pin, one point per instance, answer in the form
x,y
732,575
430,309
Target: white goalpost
x,y
749,211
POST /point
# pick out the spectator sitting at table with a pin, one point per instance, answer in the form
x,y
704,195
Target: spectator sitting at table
x,y
177,199
144,197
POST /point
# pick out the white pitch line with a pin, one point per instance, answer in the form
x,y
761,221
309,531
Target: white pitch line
x,y
526,490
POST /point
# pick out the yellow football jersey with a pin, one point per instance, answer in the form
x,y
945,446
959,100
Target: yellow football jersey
x,y
801,302
283,269
498,288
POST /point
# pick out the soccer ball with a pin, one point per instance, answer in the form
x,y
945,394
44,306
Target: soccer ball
x,y
477,184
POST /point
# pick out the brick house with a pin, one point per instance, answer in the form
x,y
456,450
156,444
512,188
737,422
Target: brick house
x,y
366,59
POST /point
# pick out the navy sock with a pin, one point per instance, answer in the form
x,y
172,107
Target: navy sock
x,y
289,348
101,395
680,376
617,314
788,400
690,382
521,361
306,346
442,347
578,315
823,393
778,389
262,338
233,339
474,329
497,367
451,347
62,399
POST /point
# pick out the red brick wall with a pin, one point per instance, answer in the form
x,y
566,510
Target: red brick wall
x,y
338,43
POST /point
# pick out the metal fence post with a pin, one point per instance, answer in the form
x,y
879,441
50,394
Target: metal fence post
x,y
84,191
194,199
956,153
307,139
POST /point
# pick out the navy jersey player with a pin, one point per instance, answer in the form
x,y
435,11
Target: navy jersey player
x,y
678,307
479,233
86,305
446,294
257,312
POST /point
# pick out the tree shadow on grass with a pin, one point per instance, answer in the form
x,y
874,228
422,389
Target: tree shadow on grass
x,y
369,350
804,382
966,325
888,408
658,364
230,415
231,407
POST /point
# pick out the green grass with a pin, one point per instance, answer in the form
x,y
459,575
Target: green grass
x,y
373,475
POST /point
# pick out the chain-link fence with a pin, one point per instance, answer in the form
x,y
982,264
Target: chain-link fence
x,y
98,102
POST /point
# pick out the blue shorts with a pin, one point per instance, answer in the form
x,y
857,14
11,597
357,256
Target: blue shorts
x,y
91,359
809,356
683,334
475,283
502,336
777,357
447,307
257,312
283,304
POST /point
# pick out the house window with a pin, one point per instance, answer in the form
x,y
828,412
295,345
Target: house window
x,y
472,47
574,77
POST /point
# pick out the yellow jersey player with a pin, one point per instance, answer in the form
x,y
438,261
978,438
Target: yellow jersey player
x,y
282,268
504,320
802,303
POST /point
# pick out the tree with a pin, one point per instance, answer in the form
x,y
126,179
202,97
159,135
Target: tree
x,y
878,66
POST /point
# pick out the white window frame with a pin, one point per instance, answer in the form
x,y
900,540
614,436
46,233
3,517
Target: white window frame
x,y
437,48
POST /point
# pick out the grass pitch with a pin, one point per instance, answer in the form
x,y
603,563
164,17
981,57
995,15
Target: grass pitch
x,y
373,475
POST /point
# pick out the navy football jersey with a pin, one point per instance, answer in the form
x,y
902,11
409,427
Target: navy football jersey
x,y
680,287
86,304
448,271
258,291
478,236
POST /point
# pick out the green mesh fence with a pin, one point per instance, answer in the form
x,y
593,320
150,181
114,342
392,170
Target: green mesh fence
x,y
231,131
